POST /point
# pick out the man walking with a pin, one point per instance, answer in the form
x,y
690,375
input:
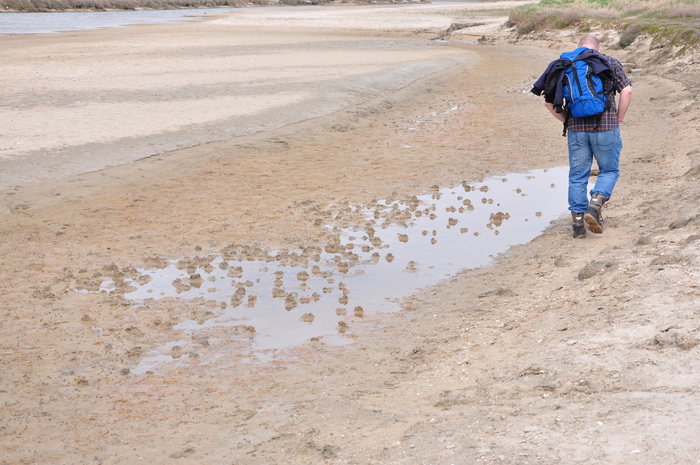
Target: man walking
x,y
595,136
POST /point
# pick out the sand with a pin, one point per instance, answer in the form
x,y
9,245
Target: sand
x,y
102,98
559,351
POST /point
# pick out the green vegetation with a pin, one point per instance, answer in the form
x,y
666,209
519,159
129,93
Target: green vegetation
x,y
671,23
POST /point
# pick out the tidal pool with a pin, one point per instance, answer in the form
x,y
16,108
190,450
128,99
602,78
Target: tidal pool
x,y
279,299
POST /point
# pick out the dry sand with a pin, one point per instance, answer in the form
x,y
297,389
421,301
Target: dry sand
x,y
560,351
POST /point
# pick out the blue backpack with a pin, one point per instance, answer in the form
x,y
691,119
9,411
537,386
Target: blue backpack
x,y
582,89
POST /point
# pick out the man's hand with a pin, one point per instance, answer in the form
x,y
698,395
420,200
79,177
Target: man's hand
x,y
625,99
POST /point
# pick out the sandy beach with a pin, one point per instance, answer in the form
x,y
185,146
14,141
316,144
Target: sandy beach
x,y
293,144
103,98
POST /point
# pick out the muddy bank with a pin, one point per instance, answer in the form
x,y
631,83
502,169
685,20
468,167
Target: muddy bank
x,y
561,350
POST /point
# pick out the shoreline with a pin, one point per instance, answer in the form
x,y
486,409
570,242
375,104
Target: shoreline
x,y
195,107
244,5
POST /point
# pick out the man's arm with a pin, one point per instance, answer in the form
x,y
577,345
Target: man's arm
x,y
560,116
625,99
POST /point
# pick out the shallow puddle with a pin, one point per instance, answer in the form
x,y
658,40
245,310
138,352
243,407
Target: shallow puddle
x,y
285,298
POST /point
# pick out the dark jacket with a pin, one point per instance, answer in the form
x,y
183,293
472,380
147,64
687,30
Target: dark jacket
x,y
552,80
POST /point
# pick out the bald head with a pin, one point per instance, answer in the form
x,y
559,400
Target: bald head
x,y
589,42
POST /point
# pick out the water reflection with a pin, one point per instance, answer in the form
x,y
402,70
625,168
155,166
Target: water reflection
x,y
286,297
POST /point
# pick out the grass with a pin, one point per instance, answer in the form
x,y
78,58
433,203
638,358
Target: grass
x,y
533,18
671,23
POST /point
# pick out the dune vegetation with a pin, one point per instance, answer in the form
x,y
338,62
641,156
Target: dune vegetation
x,y
669,22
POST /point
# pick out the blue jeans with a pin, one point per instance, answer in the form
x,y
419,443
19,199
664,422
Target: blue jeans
x,y
583,146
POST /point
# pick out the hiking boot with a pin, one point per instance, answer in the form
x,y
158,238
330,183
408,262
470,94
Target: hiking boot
x,y
593,217
579,228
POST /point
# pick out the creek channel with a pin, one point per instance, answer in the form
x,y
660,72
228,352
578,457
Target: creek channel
x,y
280,299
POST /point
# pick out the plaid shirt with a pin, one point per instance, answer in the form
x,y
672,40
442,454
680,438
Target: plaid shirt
x,y
609,120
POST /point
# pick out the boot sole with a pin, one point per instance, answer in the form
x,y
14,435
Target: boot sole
x,y
593,225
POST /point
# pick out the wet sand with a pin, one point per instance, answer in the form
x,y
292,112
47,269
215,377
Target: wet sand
x,y
559,351
95,99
